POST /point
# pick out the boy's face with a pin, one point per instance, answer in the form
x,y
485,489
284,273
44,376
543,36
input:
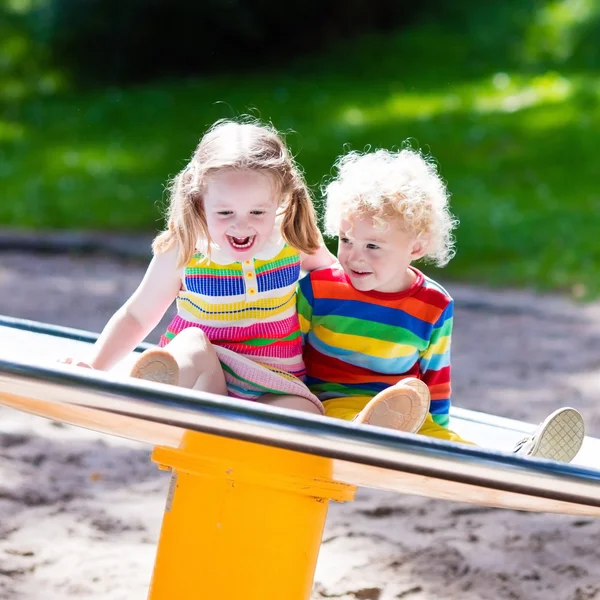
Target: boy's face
x,y
376,258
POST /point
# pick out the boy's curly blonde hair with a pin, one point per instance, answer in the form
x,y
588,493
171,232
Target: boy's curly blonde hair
x,y
398,185
229,145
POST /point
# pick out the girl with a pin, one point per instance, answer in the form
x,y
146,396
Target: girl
x,y
241,225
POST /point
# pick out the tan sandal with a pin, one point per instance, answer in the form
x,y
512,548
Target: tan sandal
x,y
403,407
157,365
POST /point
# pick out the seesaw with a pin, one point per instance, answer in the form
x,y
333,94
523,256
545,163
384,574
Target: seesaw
x,y
250,485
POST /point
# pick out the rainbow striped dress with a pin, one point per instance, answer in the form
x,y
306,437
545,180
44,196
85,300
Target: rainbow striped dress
x,y
248,312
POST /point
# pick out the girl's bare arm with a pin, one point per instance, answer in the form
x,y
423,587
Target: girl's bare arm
x,y
140,314
321,258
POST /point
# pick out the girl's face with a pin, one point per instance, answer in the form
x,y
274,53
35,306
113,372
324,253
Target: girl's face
x,y
240,208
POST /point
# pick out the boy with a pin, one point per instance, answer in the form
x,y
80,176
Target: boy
x,y
377,331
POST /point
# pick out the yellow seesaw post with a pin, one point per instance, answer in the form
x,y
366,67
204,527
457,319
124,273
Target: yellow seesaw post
x,y
242,521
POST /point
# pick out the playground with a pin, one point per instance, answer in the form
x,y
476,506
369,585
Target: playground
x,y
80,512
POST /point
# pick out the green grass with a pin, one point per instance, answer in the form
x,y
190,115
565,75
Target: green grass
x,y
518,147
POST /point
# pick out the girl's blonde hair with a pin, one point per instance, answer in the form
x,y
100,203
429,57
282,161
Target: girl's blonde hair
x,y
401,185
237,146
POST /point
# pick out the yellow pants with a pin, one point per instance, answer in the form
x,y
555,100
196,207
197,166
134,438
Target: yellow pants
x,y
347,408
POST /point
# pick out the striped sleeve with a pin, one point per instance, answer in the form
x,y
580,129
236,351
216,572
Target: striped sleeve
x,y
304,303
434,363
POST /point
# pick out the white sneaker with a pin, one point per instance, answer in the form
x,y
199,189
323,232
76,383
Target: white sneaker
x,y
559,437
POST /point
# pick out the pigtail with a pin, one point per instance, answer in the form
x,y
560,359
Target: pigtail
x,y
299,226
186,221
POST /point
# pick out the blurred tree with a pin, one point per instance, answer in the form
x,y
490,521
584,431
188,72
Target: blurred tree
x,y
24,60
128,40
563,32
102,41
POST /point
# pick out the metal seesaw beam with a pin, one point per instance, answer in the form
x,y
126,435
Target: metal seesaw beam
x,y
159,414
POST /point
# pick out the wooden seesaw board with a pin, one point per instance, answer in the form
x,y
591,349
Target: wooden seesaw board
x,y
112,403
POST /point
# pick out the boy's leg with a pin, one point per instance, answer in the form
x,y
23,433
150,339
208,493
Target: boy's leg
x,y
350,407
189,361
346,407
403,407
432,429
558,437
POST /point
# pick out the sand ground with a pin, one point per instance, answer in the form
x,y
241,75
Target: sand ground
x,y
80,512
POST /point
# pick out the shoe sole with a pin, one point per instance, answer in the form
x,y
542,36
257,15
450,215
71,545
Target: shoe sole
x,y
400,407
561,436
421,388
156,365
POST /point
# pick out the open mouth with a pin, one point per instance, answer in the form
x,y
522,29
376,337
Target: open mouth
x,y
242,243
360,273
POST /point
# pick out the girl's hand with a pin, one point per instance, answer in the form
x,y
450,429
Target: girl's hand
x,y
75,362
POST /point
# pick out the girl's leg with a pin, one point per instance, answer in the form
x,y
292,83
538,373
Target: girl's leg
x,y
188,361
293,402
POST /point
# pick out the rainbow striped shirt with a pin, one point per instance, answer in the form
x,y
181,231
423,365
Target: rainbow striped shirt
x,y
247,307
359,343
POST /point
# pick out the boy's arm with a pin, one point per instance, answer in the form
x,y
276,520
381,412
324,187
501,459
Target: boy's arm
x,y
434,365
304,304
